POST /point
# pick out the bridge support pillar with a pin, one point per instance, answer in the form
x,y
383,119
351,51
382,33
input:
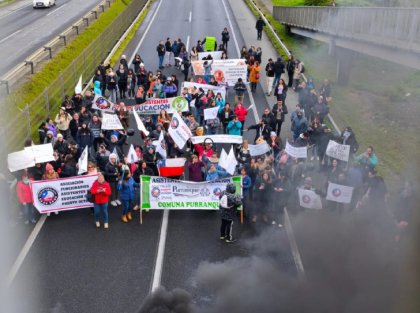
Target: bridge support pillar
x,y
345,59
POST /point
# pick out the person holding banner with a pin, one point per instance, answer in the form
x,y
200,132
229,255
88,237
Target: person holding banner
x,y
112,174
50,174
229,203
101,191
126,186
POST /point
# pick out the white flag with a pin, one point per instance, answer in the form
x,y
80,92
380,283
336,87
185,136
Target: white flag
x,y
179,131
309,199
79,87
211,113
160,145
140,124
132,155
223,159
83,161
231,162
339,193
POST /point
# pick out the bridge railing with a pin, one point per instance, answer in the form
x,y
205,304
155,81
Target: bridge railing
x,y
393,27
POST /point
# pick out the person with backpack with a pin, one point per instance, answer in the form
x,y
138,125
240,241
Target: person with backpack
x,y
229,203
101,191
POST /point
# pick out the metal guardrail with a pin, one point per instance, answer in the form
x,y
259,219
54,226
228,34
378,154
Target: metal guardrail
x,y
22,123
13,78
391,27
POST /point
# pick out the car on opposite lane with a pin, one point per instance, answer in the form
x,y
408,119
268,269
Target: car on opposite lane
x,y
43,3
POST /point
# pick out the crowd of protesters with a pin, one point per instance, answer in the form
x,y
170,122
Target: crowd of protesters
x,y
269,181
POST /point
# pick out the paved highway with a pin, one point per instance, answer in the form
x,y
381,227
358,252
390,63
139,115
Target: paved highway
x,y
23,29
73,267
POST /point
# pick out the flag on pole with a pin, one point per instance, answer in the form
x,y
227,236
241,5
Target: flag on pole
x,y
223,159
160,145
83,161
140,124
171,167
79,87
132,155
179,131
231,162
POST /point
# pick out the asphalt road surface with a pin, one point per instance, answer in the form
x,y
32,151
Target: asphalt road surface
x,y
23,29
73,267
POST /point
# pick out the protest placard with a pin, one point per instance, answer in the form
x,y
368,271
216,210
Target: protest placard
x,y
259,149
179,131
224,70
339,193
338,151
296,152
20,160
111,121
309,199
101,103
210,113
218,139
42,153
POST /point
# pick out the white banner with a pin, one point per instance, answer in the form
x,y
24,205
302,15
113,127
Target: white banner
x,y
296,152
259,149
140,124
218,139
42,153
20,160
339,193
83,162
338,151
179,131
111,121
210,113
309,199
165,193
154,106
224,71
103,104
205,87
62,194
216,55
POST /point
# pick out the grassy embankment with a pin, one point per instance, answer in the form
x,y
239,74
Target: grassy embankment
x,y
378,103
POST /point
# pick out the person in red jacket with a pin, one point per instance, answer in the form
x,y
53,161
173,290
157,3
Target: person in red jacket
x,y
101,190
24,193
241,113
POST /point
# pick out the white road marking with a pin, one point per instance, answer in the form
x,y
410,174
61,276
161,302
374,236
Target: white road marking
x,y
190,18
59,8
157,274
15,10
251,98
11,35
188,43
145,33
28,244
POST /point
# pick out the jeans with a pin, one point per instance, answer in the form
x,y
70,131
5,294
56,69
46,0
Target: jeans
x,y
98,208
28,211
161,60
126,206
276,80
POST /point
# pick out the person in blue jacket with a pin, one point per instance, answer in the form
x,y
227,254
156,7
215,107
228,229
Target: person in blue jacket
x,y
126,187
234,126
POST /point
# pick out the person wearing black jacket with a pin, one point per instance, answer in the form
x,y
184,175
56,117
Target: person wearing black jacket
x,y
278,70
269,73
262,130
259,26
161,53
290,67
269,118
112,175
225,116
279,111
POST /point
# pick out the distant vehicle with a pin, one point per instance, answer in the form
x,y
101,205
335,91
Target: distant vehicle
x,y
43,3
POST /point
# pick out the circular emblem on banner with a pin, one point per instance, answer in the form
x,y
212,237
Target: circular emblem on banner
x,y
204,192
155,192
47,196
102,103
217,191
336,192
174,123
219,76
179,104
306,199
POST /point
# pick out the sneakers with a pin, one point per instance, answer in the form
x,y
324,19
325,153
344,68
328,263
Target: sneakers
x,y
114,203
118,202
124,218
97,224
230,240
129,217
106,225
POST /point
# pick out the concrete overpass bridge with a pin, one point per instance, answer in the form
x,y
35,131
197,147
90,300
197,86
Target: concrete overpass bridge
x,y
391,34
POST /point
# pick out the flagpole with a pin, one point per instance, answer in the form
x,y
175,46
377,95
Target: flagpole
x,y
141,216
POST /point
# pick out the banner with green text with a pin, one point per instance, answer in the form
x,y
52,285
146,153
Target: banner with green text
x,y
165,193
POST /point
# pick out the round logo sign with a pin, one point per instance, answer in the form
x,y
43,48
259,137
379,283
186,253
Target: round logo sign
x,y
174,123
102,103
155,192
306,199
179,104
217,191
336,192
47,196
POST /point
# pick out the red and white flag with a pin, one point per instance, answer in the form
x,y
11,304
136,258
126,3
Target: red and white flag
x,y
171,167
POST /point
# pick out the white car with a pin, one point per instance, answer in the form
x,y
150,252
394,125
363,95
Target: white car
x,y
43,3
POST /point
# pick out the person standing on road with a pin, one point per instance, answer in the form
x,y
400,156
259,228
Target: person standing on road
x,y
161,53
290,69
279,110
225,38
24,193
229,203
126,186
101,191
254,75
259,26
122,74
278,70
269,74
112,175
239,91
168,52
